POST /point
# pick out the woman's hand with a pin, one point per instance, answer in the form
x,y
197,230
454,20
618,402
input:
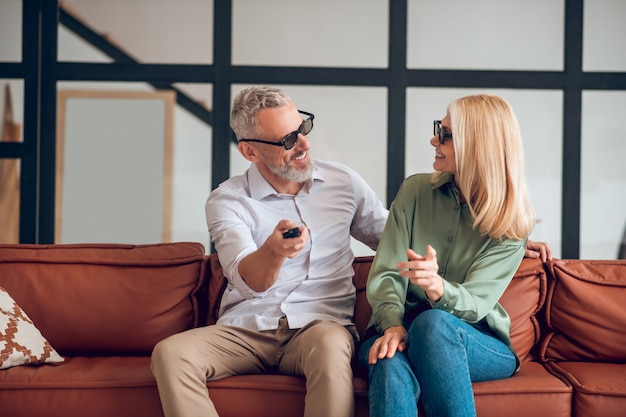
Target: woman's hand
x,y
423,272
394,339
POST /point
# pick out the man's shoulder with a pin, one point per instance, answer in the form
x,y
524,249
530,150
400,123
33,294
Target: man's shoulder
x,y
236,185
335,171
331,165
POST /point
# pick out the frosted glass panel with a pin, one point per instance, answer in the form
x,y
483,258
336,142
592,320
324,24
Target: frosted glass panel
x,y
350,127
157,31
321,33
192,156
11,30
191,177
603,35
485,34
603,174
102,194
74,48
540,117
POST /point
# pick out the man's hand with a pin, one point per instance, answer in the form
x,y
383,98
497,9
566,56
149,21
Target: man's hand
x,y
392,341
261,268
280,246
538,250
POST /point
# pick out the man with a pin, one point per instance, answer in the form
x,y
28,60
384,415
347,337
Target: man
x,y
289,300
282,233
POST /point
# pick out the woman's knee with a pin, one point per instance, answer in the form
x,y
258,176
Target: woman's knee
x,y
396,365
429,331
432,323
393,372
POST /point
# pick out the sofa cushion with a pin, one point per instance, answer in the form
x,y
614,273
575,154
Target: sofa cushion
x,y
599,388
21,343
533,388
82,386
585,311
91,299
271,396
532,391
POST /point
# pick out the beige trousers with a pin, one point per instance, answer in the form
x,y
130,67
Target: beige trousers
x,y
321,352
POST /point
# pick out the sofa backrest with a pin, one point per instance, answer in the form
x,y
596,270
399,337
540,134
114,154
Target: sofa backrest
x,y
216,283
523,299
90,299
362,308
585,311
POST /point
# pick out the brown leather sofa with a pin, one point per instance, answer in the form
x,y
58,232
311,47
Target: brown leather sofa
x,y
103,307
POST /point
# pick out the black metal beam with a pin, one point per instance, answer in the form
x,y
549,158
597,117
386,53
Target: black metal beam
x,y
603,81
485,79
47,110
127,68
366,77
572,104
29,169
11,70
11,149
396,78
222,30
94,38
166,74
309,76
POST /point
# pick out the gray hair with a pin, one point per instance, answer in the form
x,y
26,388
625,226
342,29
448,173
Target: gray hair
x,y
247,104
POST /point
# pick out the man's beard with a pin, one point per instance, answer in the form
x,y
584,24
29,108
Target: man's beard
x,y
291,174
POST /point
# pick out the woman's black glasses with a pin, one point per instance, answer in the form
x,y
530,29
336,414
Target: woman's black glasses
x,y
290,140
438,131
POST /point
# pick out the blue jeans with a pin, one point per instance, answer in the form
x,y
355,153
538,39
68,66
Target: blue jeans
x,y
444,356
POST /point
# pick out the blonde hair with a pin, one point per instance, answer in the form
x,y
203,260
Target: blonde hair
x,y
490,166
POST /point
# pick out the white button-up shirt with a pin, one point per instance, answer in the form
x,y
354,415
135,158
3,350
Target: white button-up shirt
x,y
334,204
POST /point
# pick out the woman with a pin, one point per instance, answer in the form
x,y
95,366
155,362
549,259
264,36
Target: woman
x,y
452,243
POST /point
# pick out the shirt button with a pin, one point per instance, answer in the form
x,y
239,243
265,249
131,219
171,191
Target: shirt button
x,y
450,239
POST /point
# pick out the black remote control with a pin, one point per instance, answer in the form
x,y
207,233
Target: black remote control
x,y
295,232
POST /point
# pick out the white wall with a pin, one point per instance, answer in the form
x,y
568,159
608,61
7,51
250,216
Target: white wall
x,y
351,121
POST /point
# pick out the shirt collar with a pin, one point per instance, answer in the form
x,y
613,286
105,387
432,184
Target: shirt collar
x,y
443,179
260,188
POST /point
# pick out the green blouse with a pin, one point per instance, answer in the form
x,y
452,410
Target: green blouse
x,y
476,268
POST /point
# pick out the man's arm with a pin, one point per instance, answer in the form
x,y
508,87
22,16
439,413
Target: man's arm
x,y
538,250
370,216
